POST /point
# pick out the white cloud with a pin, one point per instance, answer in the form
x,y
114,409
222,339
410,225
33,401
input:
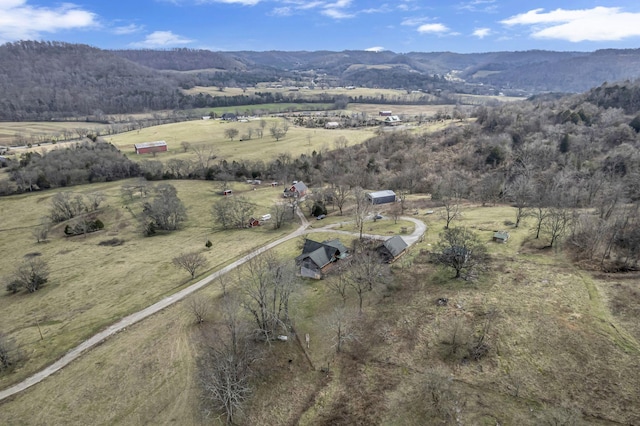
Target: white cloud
x,y
127,29
486,6
19,20
436,28
375,49
160,39
336,10
597,24
481,32
282,11
414,21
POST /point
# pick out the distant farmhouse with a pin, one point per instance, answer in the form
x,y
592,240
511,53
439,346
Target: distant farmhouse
x,y
392,120
317,258
385,113
392,249
229,116
150,147
381,197
332,125
296,190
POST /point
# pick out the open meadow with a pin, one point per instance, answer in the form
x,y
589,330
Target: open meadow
x,y
211,133
92,285
556,353
34,132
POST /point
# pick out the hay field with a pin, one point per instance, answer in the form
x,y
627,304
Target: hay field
x,y
557,354
91,286
35,131
298,140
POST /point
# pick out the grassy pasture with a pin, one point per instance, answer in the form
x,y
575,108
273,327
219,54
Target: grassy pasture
x,y
557,353
211,133
33,130
91,286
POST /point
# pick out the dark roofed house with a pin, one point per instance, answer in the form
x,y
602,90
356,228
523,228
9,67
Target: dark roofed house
x,y
297,190
392,249
229,116
316,258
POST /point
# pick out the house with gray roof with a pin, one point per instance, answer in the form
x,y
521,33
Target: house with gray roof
x,y
317,258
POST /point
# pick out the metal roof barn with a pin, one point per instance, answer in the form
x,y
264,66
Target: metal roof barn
x,y
150,147
382,197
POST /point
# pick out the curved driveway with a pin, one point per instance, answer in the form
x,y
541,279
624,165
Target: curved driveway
x,y
170,300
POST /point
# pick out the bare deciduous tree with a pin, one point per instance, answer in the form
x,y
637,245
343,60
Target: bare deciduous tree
x,y
231,133
558,223
362,209
519,192
233,211
199,307
65,206
30,275
166,211
461,250
41,232
268,284
225,367
341,322
190,262
281,213
9,353
365,273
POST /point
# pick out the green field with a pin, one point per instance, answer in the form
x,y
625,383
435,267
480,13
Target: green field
x,y
92,286
211,133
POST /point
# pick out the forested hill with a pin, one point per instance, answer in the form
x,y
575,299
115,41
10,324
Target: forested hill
x,y
52,80
529,72
183,59
44,80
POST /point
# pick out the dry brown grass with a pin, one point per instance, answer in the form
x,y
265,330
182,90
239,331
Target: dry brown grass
x,y
211,133
90,285
557,354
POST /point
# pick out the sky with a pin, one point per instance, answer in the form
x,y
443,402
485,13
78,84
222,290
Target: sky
x,y
400,25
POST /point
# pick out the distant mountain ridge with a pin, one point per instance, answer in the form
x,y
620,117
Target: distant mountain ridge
x,y
43,80
532,71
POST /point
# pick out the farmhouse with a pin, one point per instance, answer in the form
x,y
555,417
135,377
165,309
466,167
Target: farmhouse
x,y
384,113
392,249
150,147
229,116
332,125
392,120
381,197
317,258
253,222
296,190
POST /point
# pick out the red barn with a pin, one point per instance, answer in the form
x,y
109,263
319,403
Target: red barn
x,y
150,147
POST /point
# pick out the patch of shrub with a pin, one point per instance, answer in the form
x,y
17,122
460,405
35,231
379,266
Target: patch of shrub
x,y
113,242
83,226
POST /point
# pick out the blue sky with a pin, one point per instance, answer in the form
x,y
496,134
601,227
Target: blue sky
x,y
399,25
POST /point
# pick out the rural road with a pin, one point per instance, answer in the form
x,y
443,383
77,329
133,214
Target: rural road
x,y
170,300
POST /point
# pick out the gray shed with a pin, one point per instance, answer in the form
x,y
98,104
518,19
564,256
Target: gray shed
x,y
392,248
382,197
